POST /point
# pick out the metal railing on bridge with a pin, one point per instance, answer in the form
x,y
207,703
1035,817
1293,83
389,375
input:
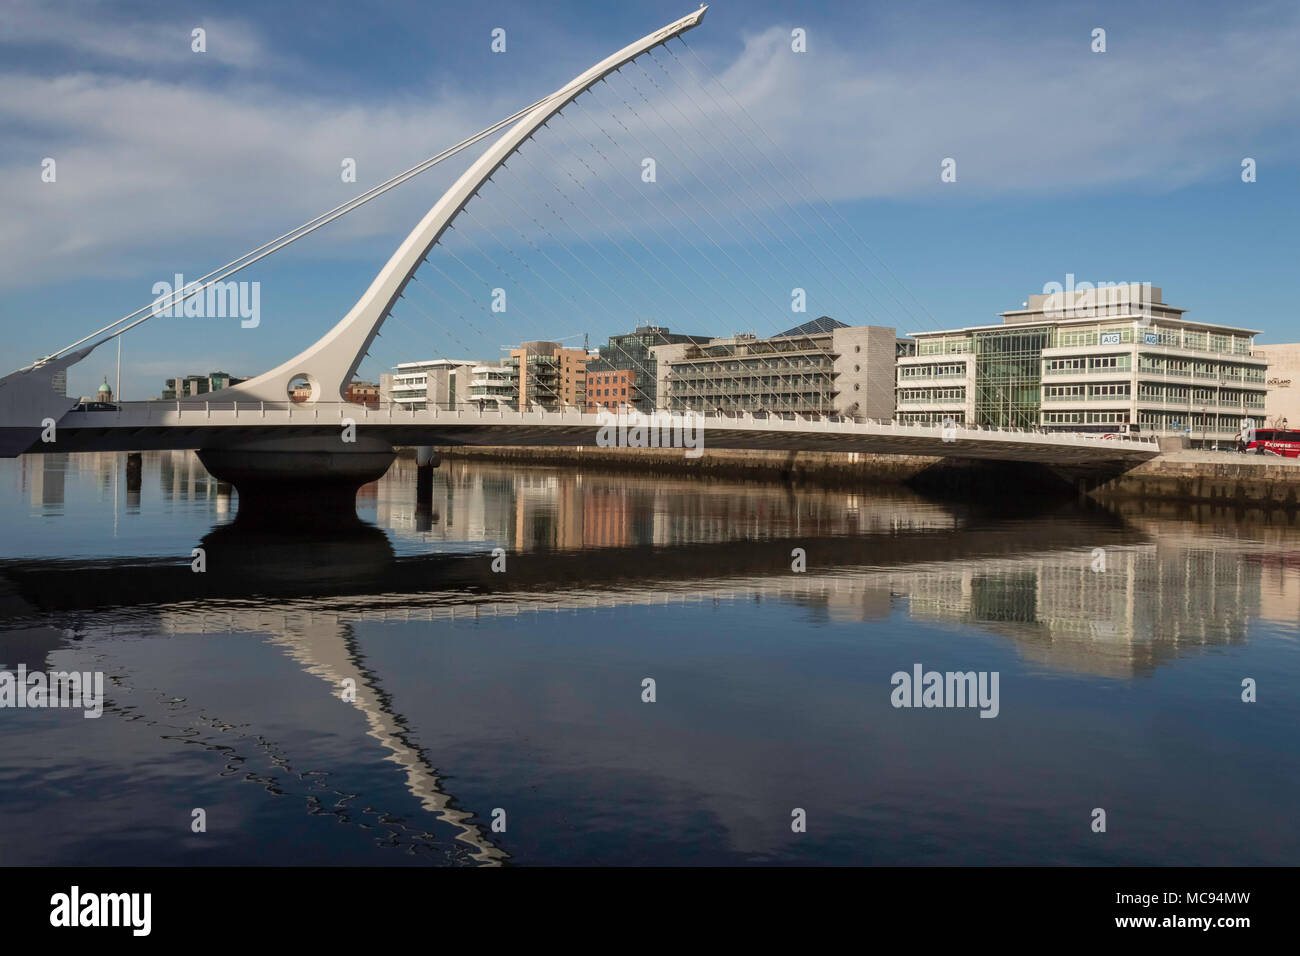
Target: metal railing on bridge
x,y
164,412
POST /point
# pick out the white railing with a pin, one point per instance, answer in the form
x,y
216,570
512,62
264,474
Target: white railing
x,y
168,413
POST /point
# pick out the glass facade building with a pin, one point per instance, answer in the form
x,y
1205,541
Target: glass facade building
x,y
624,372
1097,360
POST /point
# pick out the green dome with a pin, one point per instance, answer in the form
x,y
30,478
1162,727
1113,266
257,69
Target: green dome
x,y
104,388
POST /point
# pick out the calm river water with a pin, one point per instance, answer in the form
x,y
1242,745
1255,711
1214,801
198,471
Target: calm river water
x,y
378,694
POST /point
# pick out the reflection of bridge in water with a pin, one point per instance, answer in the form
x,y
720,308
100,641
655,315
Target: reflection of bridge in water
x,y
582,541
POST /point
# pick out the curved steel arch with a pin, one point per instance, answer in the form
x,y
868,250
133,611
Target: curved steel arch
x,y
332,361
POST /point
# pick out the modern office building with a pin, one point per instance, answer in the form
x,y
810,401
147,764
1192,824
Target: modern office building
x,y
624,373
820,367
189,386
547,376
440,383
1114,359
1282,400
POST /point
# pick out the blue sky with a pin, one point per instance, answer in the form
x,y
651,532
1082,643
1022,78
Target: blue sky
x,y
1115,166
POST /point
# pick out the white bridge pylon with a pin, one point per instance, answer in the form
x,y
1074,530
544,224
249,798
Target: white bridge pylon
x,y
329,364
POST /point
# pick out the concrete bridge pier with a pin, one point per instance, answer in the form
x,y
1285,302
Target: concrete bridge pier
x,y
426,460
134,475
287,480
134,470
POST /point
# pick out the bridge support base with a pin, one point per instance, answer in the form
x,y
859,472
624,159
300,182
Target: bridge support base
x,y
292,480
426,460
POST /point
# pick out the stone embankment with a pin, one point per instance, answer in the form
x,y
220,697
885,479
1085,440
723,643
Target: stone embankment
x,y
1224,478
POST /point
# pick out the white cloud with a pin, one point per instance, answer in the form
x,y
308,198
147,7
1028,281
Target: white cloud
x,y
157,169
86,29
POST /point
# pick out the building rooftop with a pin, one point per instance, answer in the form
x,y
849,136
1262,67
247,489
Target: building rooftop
x,y
1090,320
436,363
818,326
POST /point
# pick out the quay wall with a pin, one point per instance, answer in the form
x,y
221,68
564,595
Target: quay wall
x,y
1223,478
797,466
1180,475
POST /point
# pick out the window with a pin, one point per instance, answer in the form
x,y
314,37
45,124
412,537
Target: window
x,y
1063,391
1065,365
1077,338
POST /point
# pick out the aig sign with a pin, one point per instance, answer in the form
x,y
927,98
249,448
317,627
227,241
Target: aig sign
x,y
1111,338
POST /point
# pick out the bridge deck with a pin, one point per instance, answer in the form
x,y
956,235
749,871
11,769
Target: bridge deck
x,y
170,425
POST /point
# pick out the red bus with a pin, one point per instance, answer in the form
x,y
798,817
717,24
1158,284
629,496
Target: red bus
x,y
1275,441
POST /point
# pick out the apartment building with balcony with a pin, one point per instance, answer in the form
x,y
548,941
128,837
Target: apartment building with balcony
x,y
494,387
1095,360
820,367
436,383
548,376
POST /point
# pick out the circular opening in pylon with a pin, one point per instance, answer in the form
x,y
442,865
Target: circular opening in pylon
x,y
302,388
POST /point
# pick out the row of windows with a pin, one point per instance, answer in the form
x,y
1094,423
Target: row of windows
x,y
1108,390
1182,394
753,403
931,395
932,418
1168,366
1082,418
1096,363
734,365
1180,421
954,346
931,371
1171,338
748,381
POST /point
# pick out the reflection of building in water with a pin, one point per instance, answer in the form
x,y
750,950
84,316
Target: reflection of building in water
x,y
540,508
1148,604
43,478
182,477
548,512
1265,539
1279,585
1152,604
469,504
607,518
